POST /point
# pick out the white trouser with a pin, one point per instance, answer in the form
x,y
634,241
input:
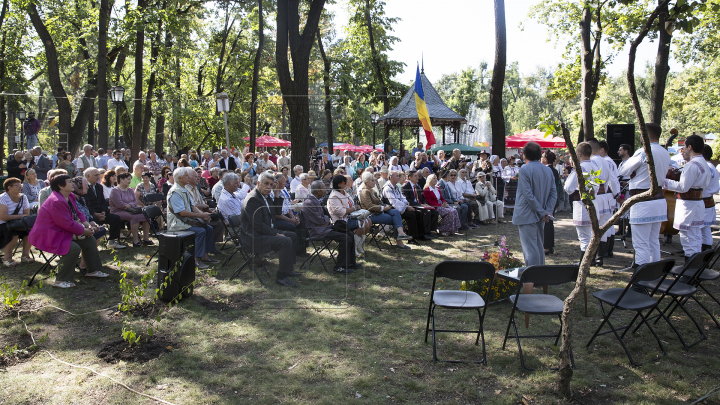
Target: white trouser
x,y
646,242
500,206
584,235
691,240
710,214
484,211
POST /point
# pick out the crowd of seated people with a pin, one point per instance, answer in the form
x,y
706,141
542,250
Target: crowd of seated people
x,y
95,200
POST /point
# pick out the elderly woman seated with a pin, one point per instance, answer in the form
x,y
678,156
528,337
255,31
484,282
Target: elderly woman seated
x,y
382,213
61,229
31,187
124,204
13,205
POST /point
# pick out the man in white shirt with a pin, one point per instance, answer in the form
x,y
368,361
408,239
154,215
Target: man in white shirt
x,y
465,188
116,160
708,198
230,203
298,170
86,160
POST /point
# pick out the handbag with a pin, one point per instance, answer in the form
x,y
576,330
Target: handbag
x,y
340,226
134,210
360,214
23,224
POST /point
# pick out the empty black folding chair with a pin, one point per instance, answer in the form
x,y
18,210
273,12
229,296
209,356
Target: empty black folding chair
x,y
626,299
459,299
151,212
679,292
706,275
540,304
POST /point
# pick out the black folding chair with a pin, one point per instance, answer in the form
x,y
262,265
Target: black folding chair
x,y
151,212
706,275
626,299
460,300
236,233
45,266
679,292
318,245
540,304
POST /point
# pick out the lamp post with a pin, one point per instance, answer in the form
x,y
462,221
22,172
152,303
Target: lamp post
x,y
22,116
223,105
374,116
117,94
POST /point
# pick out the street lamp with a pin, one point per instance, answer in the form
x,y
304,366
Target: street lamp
x,y
223,105
374,117
22,116
117,93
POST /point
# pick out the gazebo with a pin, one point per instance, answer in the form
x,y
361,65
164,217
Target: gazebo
x,y
405,114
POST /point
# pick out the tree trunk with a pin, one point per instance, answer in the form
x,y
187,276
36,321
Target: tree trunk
x,y
103,124
586,72
154,52
256,77
295,86
3,111
662,68
91,127
136,139
497,119
378,72
328,104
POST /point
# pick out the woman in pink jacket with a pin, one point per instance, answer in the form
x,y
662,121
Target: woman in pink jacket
x,y
61,229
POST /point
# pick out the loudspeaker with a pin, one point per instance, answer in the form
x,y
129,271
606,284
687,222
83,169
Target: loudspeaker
x,y
177,259
618,134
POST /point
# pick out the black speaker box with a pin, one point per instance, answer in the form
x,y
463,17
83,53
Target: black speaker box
x,y
177,252
618,134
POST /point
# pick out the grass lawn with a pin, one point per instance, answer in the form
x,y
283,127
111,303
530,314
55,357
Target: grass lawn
x,y
340,339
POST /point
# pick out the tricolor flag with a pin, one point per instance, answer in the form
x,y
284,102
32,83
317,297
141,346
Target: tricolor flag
x,y
422,110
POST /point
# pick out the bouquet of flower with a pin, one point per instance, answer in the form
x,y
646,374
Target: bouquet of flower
x,y
499,288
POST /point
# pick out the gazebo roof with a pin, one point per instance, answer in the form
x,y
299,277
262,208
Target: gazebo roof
x,y
405,114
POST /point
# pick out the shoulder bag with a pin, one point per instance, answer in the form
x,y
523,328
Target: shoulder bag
x,y
23,224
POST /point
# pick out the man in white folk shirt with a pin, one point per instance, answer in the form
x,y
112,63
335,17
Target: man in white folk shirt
x,y
581,217
624,153
646,216
708,192
615,189
689,208
603,197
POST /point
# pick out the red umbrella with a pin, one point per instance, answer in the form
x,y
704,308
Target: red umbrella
x,y
534,135
266,141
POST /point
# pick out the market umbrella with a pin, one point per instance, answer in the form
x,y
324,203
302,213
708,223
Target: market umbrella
x,y
534,135
464,149
267,141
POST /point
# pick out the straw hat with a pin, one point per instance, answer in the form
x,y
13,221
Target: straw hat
x,y
312,174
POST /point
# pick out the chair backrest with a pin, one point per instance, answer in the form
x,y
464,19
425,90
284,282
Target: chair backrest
x,y
153,197
151,211
698,261
550,274
464,271
234,221
652,271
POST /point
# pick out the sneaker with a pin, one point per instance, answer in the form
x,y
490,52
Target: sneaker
x,y
97,274
116,245
63,284
201,265
27,259
10,263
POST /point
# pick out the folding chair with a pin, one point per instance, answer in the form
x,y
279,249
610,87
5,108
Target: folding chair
x,y
626,299
375,236
227,233
679,292
318,245
235,225
45,266
151,212
540,304
151,199
705,275
460,300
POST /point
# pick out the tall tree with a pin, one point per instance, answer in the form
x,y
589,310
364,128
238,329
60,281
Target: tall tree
x,y
497,119
662,67
326,86
256,76
136,140
102,86
294,85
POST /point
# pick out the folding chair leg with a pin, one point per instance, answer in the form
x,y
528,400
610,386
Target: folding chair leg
x,y
151,257
707,311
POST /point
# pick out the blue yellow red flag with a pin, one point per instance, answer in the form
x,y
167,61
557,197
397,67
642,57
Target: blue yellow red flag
x,y
422,110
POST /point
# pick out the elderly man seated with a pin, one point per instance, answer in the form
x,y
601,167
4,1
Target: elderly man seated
x,y
259,233
318,225
199,202
183,216
230,202
391,192
485,189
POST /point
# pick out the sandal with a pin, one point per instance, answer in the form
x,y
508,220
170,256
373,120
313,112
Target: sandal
x,y
27,259
10,263
97,274
63,284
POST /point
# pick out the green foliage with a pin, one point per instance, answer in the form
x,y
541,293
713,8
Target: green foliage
x,y
10,296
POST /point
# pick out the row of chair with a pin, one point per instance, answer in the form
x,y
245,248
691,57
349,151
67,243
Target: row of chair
x,y
650,285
